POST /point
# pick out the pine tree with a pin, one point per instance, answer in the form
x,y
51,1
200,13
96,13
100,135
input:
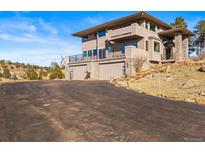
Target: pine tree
x,y
179,23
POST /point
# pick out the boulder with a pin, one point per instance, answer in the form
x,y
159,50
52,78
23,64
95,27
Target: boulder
x,y
190,83
201,69
169,79
202,93
168,69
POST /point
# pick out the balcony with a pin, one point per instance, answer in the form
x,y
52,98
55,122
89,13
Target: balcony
x,y
99,56
134,30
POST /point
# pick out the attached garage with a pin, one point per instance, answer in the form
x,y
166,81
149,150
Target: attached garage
x,y
78,72
109,71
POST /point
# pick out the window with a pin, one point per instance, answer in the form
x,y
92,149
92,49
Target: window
x,y
89,53
122,47
95,36
133,43
85,54
85,38
94,52
110,48
152,27
101,33
156,46
146,24
101,53
147,45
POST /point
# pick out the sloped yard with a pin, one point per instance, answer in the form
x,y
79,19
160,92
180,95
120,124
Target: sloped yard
x,y
183,82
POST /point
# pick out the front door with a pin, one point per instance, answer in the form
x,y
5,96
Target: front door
x,y
168,53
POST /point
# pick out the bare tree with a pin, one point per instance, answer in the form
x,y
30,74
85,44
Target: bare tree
x,y
138,63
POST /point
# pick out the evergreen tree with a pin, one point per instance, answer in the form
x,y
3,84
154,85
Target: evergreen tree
x,y
31,73
197,43
179,23
6,73
56,72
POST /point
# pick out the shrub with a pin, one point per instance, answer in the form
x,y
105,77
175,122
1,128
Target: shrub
x,y
31,73
40,76
14,77
56,73
12,67
1,75
18,65
2,62
6,73
45,74
138,63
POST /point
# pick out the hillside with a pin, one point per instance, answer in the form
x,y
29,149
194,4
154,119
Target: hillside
x,y
10,71
179,81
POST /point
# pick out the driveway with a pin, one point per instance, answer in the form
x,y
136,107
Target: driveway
x,y
93,111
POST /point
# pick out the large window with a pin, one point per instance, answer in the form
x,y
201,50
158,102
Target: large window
x,y
156,46
85,38
101,33
132,43
122,47
95,36
110,48
124,44
152,27
101,53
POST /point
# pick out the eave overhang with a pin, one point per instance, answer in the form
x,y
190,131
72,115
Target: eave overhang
x,y
123,20
172,32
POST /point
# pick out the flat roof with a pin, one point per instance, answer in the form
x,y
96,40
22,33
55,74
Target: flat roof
x,y
123,20
172,32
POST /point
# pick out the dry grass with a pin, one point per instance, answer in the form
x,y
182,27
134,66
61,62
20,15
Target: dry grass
x,y
168,84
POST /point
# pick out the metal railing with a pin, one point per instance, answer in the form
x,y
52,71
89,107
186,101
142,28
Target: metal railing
x,y
81,58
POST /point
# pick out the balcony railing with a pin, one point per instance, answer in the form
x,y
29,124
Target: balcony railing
x,y
81,58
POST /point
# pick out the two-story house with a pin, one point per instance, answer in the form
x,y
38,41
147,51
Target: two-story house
x,y
109,50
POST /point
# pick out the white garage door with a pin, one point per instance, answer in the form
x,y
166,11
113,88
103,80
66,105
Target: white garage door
x,y
111,70
78,72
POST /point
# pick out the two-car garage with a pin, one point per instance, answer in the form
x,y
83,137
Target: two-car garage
x,y
101,71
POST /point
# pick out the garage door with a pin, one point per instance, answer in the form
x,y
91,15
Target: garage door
x,y
78,72
111,70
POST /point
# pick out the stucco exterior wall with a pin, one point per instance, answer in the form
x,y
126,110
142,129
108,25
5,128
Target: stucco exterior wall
x,y
135,31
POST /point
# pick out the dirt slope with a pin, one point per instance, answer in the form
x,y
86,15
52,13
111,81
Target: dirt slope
x,y
174,81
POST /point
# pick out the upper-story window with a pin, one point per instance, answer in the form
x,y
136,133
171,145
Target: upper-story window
x,y
156,46
110,48
95,36
147,45
85,38
85,54
95,52
152,27
132,43
101,33
146,24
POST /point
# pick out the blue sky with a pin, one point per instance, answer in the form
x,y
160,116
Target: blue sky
x,y
43,37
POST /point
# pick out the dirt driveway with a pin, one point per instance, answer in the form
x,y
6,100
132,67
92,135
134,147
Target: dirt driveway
x,y
93,111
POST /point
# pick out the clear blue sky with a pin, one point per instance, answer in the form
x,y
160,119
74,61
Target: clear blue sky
x,y
43,37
